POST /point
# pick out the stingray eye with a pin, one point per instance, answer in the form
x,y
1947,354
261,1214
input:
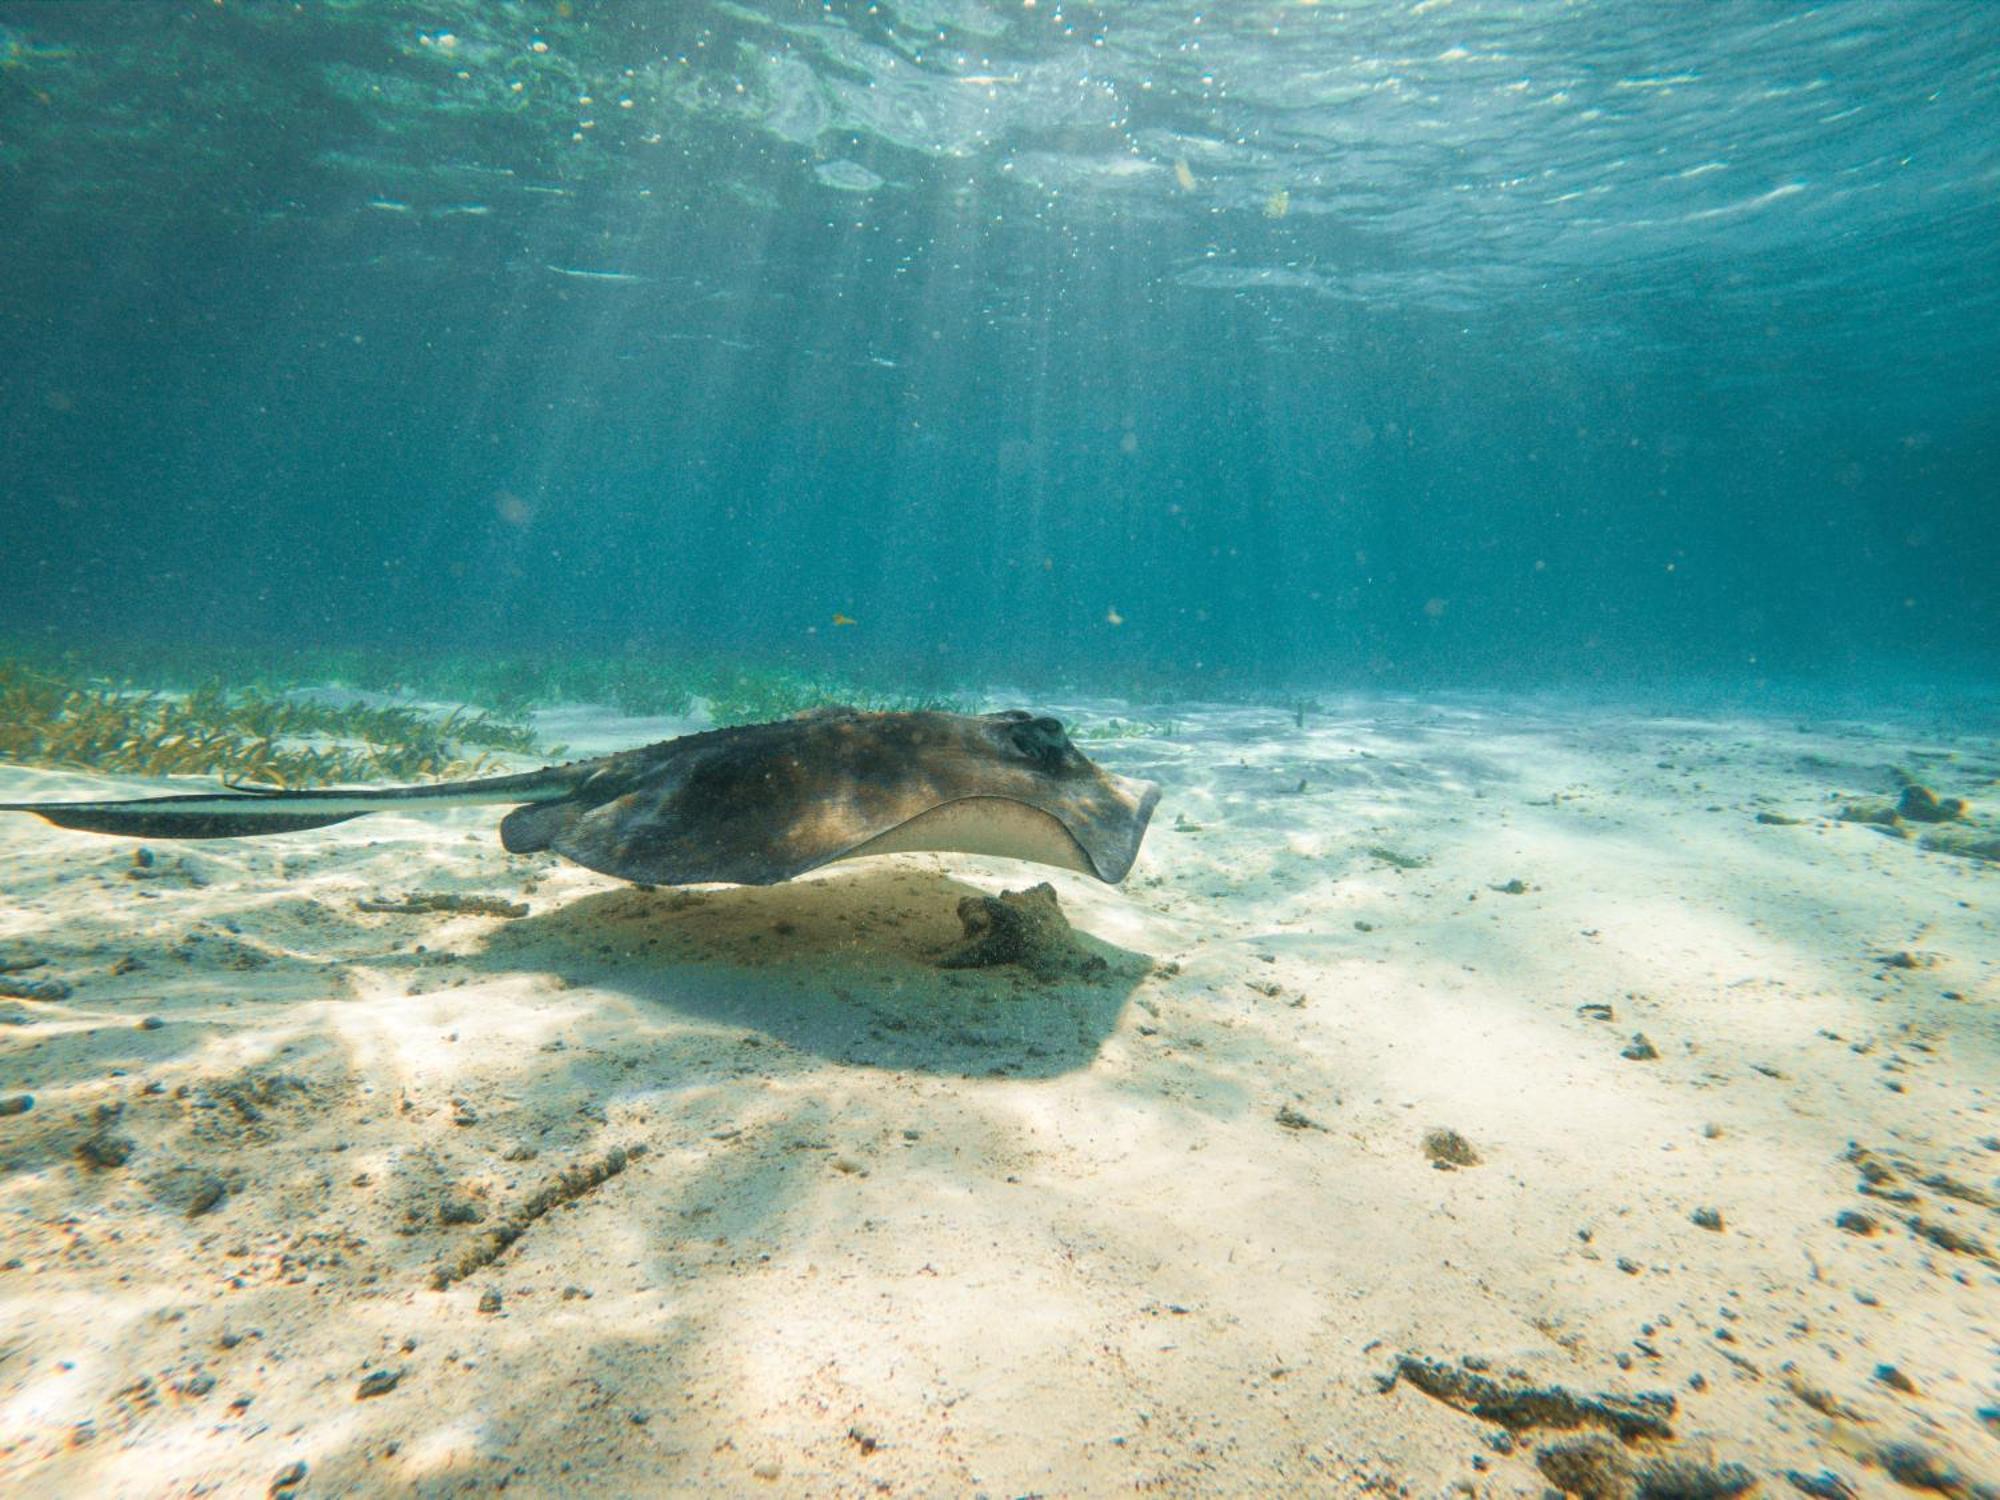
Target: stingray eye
x,y
1041,739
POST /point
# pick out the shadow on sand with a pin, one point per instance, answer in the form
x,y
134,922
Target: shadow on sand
x,y
843,967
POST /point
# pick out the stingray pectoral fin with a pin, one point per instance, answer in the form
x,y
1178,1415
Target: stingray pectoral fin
x,y
531,829
1094,834
995,826
1112,829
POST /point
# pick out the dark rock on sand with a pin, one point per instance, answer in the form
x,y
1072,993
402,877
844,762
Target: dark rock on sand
x,y
1876,810
1967,843
1597,1468
1922,805
1019,927
1519,1406
1448,1149
105,1149
377,1383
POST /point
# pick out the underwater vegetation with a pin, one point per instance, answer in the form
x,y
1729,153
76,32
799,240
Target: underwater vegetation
x,y
51,719
506,687
122,711
756,697
1125,729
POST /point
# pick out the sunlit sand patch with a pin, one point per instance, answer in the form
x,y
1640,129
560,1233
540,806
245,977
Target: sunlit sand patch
x,y
936,1212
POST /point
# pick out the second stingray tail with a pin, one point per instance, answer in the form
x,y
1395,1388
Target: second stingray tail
x,y
237,814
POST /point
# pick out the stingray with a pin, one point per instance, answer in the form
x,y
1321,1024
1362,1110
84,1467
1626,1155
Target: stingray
x,y
752,805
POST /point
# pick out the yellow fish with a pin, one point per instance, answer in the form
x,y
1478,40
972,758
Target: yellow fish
x,y
841,619
1278,204
1183,174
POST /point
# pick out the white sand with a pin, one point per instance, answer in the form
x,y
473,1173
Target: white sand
x,y
898,1230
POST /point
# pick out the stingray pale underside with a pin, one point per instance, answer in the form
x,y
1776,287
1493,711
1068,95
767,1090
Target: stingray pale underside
x,y
751,805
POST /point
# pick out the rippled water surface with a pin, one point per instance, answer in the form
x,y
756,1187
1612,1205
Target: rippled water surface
x,y
1253,338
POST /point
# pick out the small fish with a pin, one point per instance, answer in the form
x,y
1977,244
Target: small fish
x,y
841,619
1183,174
1278,204
585,275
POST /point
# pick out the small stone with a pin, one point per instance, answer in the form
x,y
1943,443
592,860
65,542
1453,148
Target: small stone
x,y
1707,1218
1854,1221
106,1150
459,1211
1922,805
210,1191
1825,1485
1640,1049
768,1470
489,1301
150,1023
1917,1468
1292,1119
48,990
377,1383
1895,1379
1870,810
519,1151
291,1475
1448,1149
16,1104
199,1384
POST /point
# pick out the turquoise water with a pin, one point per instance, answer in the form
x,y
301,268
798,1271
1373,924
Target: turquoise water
x,y
1202,349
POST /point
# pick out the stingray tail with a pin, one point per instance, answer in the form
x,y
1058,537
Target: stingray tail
x,y
237,813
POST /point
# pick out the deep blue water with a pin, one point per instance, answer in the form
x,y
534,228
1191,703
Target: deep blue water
x,y
1206,347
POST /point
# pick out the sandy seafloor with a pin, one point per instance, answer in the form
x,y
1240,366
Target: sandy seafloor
x,y
1167,1227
